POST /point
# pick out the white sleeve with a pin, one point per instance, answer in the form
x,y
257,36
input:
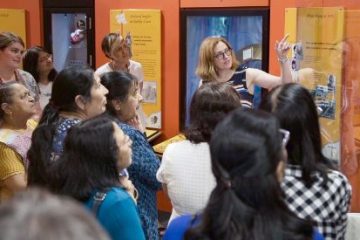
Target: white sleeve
x,y
164,166
137,71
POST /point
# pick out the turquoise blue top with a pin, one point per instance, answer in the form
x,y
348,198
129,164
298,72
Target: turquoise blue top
x,y
118,215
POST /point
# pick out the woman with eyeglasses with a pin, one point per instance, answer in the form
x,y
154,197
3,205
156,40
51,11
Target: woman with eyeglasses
x,y
313,189
17,106
248,156
217,62
39,63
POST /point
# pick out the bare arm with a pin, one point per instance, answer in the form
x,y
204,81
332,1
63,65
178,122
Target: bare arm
x,y
266,80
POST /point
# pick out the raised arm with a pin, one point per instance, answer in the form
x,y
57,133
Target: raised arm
x,y
266,80
282,48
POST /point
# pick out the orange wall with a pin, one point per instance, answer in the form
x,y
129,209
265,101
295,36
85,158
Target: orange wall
x,y
33,17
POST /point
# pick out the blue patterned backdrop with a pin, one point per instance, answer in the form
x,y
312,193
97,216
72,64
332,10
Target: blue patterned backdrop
x,y
240,31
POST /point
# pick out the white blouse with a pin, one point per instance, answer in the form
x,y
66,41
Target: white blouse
x,y
186,170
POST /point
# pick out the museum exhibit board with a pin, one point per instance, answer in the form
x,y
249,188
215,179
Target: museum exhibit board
x,y
316,59
325,57
13,20
144,27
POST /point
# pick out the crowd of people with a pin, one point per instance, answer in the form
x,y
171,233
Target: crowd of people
x,y
241,173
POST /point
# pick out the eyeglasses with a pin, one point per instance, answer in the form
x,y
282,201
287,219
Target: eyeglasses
x,y
221,55
45,58
285,136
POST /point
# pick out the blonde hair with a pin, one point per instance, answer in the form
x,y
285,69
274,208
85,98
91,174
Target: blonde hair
x,y
110,43
206,68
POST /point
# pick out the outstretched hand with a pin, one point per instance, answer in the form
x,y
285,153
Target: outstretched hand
x,y
282,48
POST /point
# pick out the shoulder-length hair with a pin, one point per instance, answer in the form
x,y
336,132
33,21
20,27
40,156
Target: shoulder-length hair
x,y
247,203
206,68
110,42
31,62
89,160
209,105
294,106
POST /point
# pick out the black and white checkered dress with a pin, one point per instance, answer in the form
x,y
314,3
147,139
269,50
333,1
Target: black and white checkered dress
x,y
326,205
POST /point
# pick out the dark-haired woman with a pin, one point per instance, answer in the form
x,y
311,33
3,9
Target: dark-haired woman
x,y
95,151
16,108
122,102
314,190
77,95
247,157
39,63
185,170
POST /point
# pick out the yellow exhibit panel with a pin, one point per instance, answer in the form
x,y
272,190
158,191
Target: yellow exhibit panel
x,y
144,25
13,20
317,36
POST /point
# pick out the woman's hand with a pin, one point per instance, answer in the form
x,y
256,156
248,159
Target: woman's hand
x,y
129,186
136,123
282,48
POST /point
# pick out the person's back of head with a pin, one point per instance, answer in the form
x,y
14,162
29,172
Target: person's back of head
x,y
209,105
108,42
295,108
38,215
89,161
247,156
